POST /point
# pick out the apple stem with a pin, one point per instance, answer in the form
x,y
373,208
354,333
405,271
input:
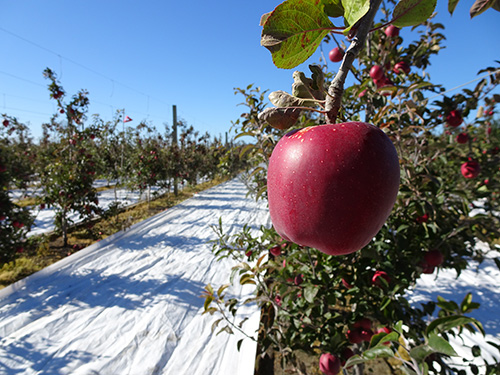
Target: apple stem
x,y
336,89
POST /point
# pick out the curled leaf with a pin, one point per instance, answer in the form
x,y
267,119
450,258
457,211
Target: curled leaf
x,y
283,99
280,118
306,88
481,6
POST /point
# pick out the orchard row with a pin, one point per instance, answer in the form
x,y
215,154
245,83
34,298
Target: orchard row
x,y
74,152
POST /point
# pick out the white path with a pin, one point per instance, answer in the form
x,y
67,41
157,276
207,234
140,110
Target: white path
x,y
130,304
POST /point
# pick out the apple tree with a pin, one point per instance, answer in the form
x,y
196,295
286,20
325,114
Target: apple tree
x,y
68,168
354,307
16,171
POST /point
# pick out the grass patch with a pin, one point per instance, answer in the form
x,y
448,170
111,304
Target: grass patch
x,y
42,251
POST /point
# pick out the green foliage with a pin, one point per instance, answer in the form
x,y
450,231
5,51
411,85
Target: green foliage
x,y
310,301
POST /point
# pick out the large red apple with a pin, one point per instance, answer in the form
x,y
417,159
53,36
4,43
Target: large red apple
x,y
333,186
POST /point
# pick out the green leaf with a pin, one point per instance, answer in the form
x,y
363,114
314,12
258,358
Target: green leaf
x,y
333,8
310,292
440,345
480,6
380,351
412,12
381,338
207,303
448,322
420,352
294,30
355,360
452,4
354,10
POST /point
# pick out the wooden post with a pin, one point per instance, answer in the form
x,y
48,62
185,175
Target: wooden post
x,y
174,142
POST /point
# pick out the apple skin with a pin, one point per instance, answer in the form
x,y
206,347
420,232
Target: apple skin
x,y
329,364
402,66
391,31
454,118
462,138
332,187
377,275
434,258
470,169
336,54
376,72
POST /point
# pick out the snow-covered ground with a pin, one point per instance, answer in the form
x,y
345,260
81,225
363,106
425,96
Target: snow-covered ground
x,y
130,304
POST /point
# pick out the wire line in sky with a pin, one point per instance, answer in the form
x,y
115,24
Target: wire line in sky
x,y
113,81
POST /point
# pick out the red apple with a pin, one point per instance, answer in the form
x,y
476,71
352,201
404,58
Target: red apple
x,y
426,268
364,323
5,123
454,118
299,279
17,224
392,31
434,258
462,138
354,336
423,219
402,67
275,250
376,72
357,335
377,275
332,187
346,284
470,169
336,54
329,364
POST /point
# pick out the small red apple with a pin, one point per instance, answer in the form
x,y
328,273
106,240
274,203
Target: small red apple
x,y
5,123
354,336
391,31
380,274
346,284
423,219
249,253
462,138
275,250
402,67
299,279
364,323
434,258
376,72
333,186
329,364
336,54
470,169
17,224
357,335
454,118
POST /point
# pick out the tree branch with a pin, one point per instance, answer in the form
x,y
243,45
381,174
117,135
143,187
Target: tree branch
x,y
336,89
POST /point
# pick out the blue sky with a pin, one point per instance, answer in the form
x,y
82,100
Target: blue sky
x,y
147,56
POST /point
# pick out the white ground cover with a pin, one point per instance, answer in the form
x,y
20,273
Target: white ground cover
x,y
44,218
130,304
